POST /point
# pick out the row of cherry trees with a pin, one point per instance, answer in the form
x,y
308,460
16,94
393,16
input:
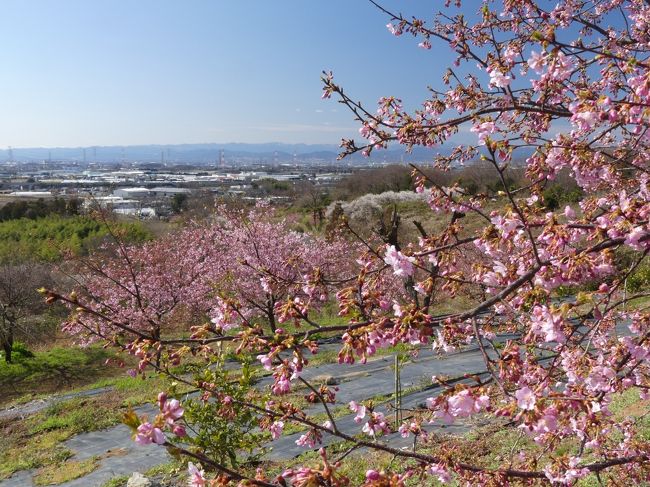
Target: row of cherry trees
x,y
243,265
564,86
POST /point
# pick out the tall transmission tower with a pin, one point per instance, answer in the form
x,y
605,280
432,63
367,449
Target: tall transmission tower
x,y
222,159
10,154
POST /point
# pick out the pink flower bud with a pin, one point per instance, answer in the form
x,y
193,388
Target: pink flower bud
x,y
372,475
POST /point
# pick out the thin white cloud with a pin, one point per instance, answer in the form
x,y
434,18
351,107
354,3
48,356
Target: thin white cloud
x,y
303,128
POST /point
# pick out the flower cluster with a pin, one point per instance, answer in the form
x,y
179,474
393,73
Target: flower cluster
x,y
152,432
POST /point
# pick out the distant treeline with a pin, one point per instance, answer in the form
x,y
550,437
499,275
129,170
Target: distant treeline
x,y
477,178
39,208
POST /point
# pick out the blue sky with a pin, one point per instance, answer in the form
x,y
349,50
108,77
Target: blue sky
x,y
122,72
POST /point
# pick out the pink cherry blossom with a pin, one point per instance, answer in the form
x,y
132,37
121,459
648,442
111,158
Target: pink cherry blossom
x,y
575,122
566,476
172,410
359,409
509,54
440,472
600,379
266,361
569,212
309,439
402,265
638,238
537,61
483,130
498,79
147,434
525,398
377,424
548,324
276,429
282,385
396,31
197,475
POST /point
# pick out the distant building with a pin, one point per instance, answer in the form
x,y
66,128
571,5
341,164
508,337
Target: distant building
x,y
131,192
32,194
166,191
112,203
121,206
147,213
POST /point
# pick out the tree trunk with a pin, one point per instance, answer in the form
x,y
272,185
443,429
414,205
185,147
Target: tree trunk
x,y
270,313
7,345
155,333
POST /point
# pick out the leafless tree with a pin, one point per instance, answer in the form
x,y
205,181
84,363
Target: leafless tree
x,y
19,298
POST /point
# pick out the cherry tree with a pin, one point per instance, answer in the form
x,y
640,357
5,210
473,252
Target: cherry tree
x,y
268,270
207,279
563,87
138,292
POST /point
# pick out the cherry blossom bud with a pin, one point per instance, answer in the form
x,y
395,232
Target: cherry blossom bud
x,y
372,475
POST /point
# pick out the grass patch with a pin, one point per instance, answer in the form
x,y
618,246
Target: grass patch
x,y
37,441
24,453
116,481
52,370
75,416
174,470
66,471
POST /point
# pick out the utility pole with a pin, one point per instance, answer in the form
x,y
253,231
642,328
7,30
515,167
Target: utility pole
x,y
398,392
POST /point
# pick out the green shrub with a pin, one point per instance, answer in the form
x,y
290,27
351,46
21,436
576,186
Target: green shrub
x,y
230,438
50,238
558,194
19,348
640,278
15,210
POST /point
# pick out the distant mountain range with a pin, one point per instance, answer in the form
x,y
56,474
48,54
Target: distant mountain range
x,y
208,153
